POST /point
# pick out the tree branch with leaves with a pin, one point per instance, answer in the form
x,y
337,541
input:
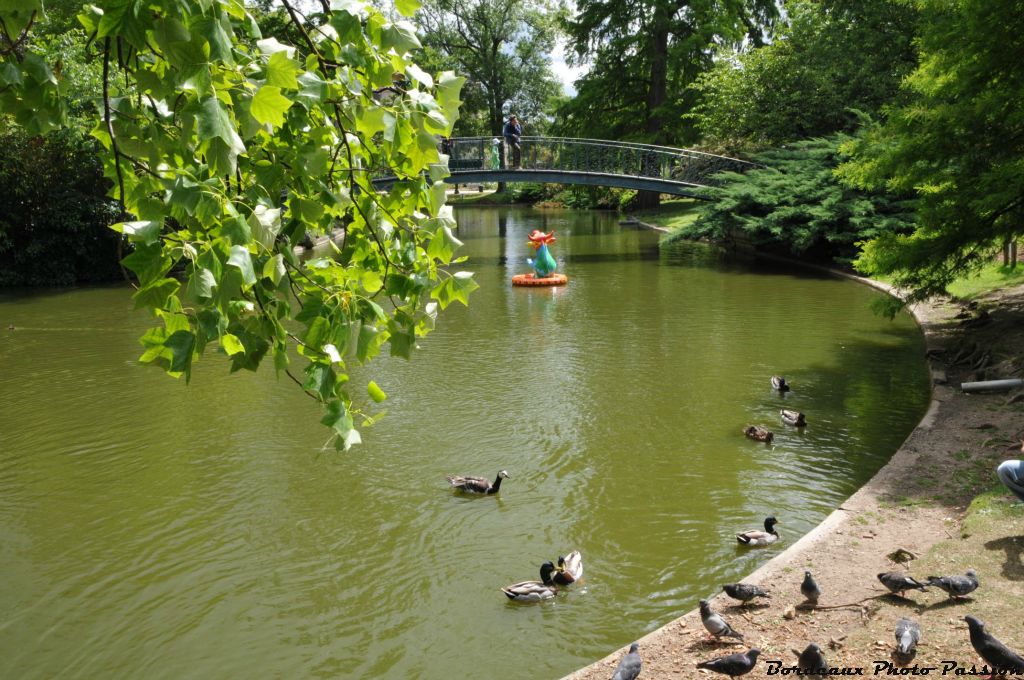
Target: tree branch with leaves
x,y
241,145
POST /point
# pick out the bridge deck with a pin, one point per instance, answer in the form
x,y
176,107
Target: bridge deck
x,y
584,161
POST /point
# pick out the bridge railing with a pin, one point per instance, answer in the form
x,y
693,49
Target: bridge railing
x,y
593,156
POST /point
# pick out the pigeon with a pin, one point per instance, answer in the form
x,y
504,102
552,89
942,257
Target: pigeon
x,y
908,634
811,660
810,589
629,665
998,656
898,582
744,592
732,665
956,586
715,624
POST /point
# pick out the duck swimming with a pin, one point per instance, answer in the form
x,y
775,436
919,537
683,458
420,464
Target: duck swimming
x,y
477,484
759,434
569,570
756,537
779,384
794,418
534,591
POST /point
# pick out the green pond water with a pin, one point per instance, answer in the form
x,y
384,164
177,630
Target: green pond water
x,y
150,529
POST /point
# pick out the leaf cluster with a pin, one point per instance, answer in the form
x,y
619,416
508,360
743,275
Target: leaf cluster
x,y
227,148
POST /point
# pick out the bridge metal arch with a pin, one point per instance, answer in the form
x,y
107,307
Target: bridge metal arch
x,y
601,179
599,162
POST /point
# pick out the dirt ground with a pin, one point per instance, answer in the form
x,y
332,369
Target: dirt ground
x,y
918,503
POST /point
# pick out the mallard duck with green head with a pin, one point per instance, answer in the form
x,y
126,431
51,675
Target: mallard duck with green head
x,y
534,591
569,569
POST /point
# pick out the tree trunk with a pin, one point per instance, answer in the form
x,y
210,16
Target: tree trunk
x,y
657,90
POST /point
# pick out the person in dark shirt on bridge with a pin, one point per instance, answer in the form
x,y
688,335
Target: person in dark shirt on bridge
x,y
512,132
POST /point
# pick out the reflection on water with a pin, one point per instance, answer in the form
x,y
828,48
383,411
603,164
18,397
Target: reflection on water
x,y
153,530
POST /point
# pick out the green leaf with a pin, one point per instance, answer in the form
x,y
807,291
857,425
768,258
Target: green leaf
x,y
407,7
375,392
448,87
241,258
371,280
319,333
339,419
271,46
274,269
419,75
149,262
9,74
182,345
266,225
269,106
370,340
312,90
401,36
282,70
201,284
156,294
443,244
231,344
216,34
320,379
215,122
146,231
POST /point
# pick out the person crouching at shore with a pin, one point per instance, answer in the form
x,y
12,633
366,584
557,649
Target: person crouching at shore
x,y
1011,474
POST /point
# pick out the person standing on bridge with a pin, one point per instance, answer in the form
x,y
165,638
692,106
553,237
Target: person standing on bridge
x,y
512,132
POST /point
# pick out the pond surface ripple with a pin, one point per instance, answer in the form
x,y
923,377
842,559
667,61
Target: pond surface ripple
x,y
153,530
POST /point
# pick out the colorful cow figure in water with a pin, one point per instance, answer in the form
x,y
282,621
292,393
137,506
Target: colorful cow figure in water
x,y
544,264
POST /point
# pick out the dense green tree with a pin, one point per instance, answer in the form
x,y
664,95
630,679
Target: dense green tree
x,y
830,58
794,205
225,148
503,48
645,54
55,214
957,145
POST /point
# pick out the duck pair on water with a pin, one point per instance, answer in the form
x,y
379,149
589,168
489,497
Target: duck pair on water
x,y
568,571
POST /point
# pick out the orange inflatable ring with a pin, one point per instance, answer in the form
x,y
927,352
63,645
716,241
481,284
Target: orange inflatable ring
x,y
531,280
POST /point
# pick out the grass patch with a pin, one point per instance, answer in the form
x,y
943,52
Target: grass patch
x,y
991,277
673,214
907,502
993,507
485,197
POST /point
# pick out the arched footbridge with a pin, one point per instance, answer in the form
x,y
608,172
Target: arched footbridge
x,y
562,160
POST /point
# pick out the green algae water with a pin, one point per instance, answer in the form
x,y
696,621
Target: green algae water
x,y
154,530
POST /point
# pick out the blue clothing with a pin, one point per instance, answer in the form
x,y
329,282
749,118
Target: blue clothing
x,y
512,133
1011,473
